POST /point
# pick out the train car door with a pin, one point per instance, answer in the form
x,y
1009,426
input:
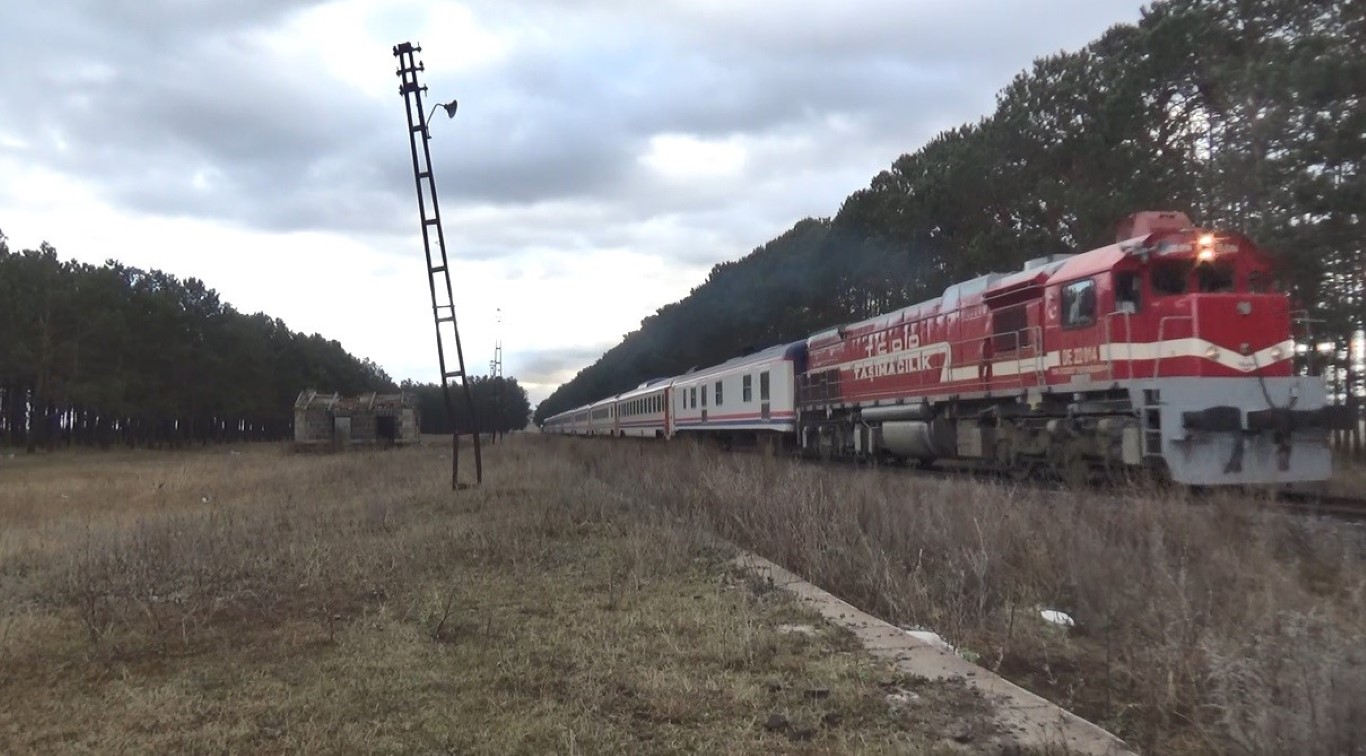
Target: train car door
x,y
1074,308
667,398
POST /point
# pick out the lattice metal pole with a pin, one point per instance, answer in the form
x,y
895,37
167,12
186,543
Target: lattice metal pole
x,y
438,264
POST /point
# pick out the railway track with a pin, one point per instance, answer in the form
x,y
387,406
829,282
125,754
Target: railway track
x,y
1307,503
1314,504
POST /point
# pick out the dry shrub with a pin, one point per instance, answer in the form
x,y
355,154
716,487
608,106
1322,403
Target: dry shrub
x,y
1202,624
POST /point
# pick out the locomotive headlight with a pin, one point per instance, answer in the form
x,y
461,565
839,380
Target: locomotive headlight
x,y
1206,248
1212,353
1276,353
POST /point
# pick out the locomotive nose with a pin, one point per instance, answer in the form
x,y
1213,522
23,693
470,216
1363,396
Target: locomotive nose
x,y
1247,334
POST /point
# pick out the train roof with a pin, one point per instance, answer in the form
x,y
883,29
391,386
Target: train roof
x,y
566,413
599,403
790,351
648,387
1088,263
988,287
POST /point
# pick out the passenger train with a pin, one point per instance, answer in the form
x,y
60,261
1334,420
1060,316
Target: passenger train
x,y
1170,351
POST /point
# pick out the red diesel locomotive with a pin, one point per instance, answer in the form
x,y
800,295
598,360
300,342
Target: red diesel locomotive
x,y
1169,349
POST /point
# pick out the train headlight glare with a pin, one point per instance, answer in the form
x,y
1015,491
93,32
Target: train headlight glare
x,y
1207,240
1205,255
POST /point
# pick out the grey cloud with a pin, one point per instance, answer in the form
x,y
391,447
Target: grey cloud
x,y
164,90
144,94
552,366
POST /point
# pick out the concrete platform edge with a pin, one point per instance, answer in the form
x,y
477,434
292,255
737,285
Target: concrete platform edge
x,y
1031,720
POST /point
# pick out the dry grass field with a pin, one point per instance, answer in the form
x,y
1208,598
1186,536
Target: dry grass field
x,y
1203,625
1349,477
248,599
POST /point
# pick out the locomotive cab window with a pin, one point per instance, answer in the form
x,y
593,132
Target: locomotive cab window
x,y
1128,295
1170,277
1215,277
1260,282
1079,304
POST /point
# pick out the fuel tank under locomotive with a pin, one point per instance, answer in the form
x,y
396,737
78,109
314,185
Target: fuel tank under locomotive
x,y
911,431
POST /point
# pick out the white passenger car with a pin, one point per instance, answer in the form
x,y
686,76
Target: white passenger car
x,y
602,418
644,411
742,400
560,424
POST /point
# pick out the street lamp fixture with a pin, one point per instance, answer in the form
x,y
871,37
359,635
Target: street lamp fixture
x,y
449,107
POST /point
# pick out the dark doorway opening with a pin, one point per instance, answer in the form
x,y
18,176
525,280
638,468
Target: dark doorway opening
x,y
386,429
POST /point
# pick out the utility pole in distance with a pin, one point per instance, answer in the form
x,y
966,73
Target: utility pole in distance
x,y
438,264
496,373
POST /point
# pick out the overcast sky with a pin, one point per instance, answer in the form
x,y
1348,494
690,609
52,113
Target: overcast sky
x,y
606,153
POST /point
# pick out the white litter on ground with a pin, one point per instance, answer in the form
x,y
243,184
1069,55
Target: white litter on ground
x,y
902,697
796,629
1057,617
930,637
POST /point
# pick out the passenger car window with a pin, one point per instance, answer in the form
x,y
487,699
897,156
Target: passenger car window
x,y
746,389
763,386
1079,303
718,393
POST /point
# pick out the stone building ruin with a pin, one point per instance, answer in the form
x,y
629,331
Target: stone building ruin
x,y
333,421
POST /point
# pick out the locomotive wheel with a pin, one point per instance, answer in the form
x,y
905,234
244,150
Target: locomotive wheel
x,y
1022,470
1119,476
1073,469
